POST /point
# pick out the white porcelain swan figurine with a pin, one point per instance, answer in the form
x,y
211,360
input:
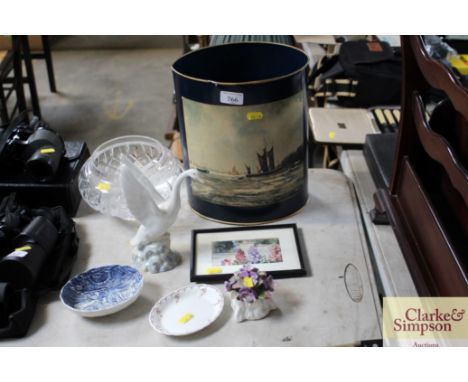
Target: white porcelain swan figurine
x,y
151,244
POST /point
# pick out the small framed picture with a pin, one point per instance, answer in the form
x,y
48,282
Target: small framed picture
x,y
218,253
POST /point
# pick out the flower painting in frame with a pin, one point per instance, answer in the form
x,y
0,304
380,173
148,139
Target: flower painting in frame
x,y
217,253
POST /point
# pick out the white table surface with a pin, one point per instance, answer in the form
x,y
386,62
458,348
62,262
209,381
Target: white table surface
x,y
391,265
314,310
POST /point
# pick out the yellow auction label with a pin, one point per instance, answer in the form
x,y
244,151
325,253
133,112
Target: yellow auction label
x,y
186,318
254,115
331,134
103,186
48,150
24,248
425,321
214,270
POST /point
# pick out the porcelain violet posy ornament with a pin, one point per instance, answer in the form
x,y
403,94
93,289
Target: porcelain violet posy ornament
x,y
151,244
250,291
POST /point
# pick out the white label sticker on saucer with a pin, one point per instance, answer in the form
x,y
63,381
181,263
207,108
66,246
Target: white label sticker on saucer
x,y
16,254
231,98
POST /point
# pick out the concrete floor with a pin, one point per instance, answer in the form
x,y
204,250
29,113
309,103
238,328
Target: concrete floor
x,y
116,42
108,93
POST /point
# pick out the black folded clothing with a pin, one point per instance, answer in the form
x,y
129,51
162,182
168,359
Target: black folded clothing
x,y
37,250
17,308
379,152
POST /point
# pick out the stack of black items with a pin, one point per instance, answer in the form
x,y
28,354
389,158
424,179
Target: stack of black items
x,y
379,149
379,152
39,166
37,250
387,118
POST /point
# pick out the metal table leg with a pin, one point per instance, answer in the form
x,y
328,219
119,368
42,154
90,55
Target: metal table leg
x,y
30,75
49,63
18,75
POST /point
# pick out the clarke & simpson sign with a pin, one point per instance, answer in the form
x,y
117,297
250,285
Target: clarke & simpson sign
x,y
425,321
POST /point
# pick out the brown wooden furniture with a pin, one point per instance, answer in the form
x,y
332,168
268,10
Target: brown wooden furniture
x,y
427,201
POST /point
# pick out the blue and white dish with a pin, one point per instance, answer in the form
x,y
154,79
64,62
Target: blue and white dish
x,y
102,291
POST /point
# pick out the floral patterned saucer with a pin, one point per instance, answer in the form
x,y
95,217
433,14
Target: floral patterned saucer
x,y
187,310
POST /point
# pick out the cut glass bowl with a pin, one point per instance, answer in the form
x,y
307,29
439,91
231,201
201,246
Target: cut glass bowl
x,y
99,180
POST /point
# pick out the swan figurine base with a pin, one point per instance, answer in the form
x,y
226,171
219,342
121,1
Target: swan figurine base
x,y
156,256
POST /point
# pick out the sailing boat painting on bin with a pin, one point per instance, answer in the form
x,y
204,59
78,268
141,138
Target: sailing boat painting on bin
x,y
245,162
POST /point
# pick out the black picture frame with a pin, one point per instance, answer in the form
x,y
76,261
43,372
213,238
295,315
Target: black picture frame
x,y
197,276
